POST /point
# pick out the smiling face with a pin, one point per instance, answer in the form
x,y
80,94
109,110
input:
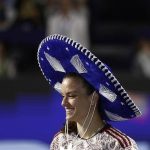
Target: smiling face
x,y
76,99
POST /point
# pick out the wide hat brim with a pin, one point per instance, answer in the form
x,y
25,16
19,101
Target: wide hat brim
x,y
59,55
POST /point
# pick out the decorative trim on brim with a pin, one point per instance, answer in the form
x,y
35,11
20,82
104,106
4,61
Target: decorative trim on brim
x,y
114,96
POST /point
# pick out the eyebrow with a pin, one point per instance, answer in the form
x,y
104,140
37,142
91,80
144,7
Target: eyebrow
x,y
71,92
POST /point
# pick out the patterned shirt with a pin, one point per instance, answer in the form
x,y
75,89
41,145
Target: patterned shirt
x,y
107,138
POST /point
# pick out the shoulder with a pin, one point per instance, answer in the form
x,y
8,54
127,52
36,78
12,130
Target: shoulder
x,y
58,135
122,139
56,140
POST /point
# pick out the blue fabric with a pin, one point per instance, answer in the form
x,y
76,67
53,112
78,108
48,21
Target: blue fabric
x,y
63,50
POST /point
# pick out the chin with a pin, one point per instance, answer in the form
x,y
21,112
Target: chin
x,y
70,118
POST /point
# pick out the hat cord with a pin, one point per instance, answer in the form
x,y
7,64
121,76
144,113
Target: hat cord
x,y
66,131
90,118
66,126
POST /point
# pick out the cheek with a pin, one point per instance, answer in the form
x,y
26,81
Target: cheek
x,y
73,103
82,104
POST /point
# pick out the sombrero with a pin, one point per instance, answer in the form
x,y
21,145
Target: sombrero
x,y
59,55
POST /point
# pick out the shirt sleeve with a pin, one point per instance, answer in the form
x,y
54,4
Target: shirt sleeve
x,y
55,143
133,145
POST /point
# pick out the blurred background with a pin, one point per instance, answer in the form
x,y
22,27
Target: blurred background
x,y
118,32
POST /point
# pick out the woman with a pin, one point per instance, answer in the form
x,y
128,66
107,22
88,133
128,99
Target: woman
x,y
91,97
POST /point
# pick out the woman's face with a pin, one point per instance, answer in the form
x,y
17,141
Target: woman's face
x,y
75,100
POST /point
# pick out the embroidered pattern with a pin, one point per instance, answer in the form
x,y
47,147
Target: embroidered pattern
x,y
110,139
107,93
114,117
77,63
54,63
57,87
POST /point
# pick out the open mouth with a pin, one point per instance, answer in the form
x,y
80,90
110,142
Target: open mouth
x,y
69,110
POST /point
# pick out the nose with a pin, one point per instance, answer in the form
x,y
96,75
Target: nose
x,y
64,101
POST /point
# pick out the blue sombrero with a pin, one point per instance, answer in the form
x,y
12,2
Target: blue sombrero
x,y
58,55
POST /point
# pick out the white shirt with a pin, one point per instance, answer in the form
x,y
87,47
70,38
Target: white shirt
x,y
108,138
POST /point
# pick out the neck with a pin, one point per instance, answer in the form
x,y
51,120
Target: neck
x,y
96,124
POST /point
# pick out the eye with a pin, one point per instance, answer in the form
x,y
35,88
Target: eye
x,y
72,96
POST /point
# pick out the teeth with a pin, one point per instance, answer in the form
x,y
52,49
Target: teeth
x,y
69,110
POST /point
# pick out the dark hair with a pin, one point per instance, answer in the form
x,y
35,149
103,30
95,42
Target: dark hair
x,y
72,126
90,89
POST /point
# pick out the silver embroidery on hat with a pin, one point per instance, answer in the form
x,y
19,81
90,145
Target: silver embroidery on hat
x,y
57,87
107,93
54,63
48,48
77,63
67,49
114,117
